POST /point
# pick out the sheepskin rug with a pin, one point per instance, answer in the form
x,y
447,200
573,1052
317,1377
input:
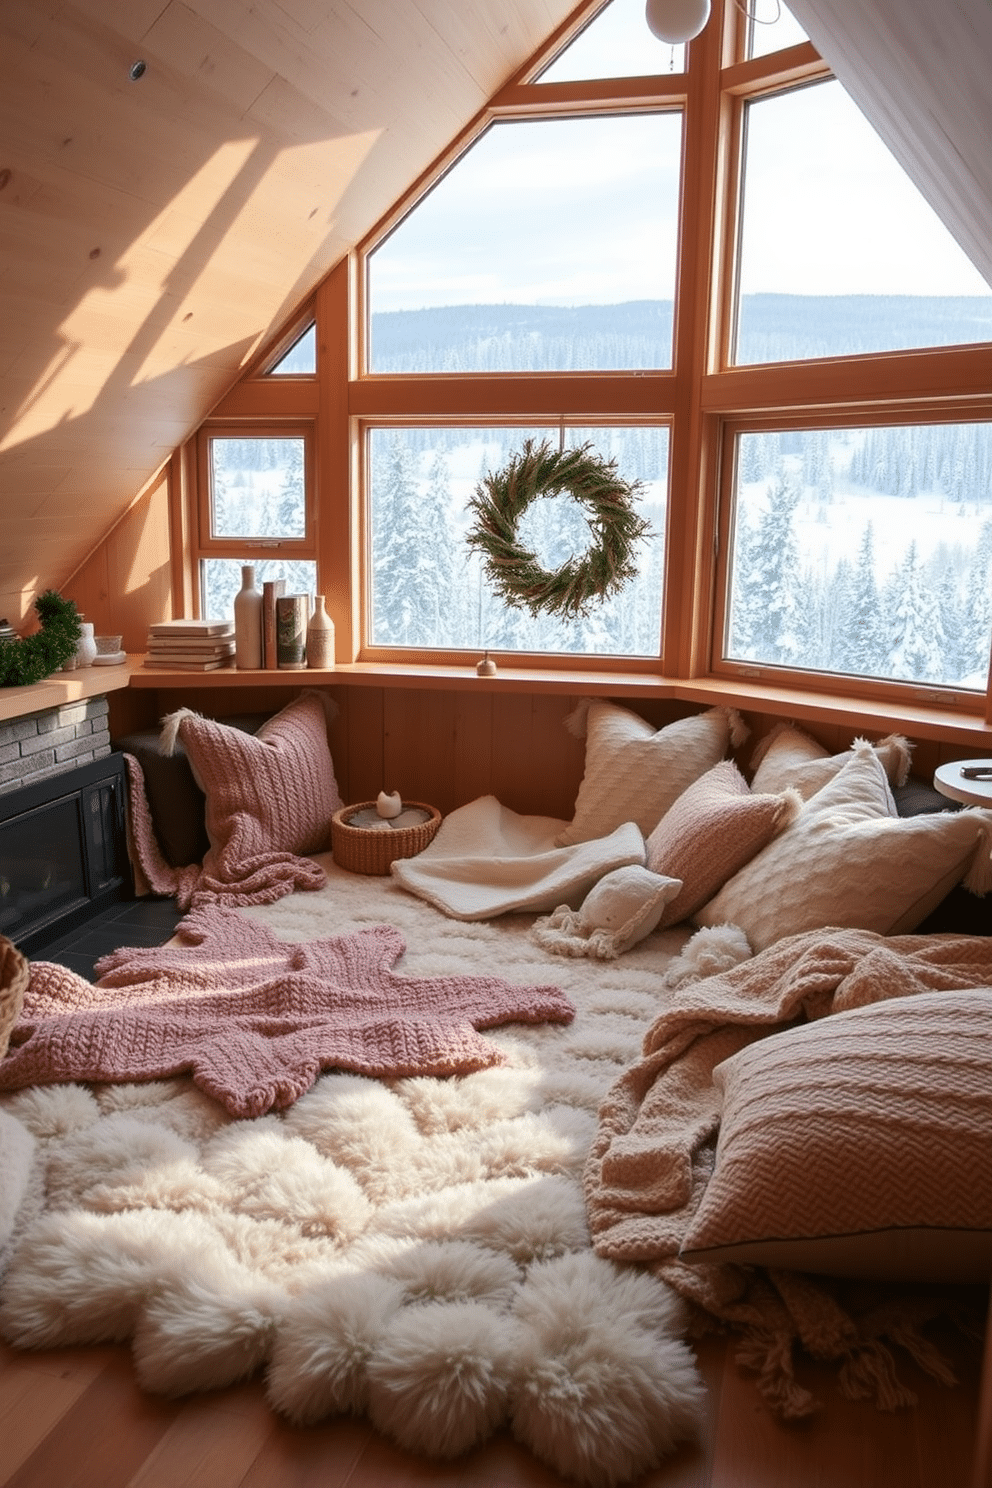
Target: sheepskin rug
x,y
415,1251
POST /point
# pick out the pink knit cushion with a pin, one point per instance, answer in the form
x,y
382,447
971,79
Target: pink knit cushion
x,y
270,796
858,1145
714,828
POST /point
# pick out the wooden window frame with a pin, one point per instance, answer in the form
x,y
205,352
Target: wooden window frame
x,y
247,549
872,689
439,656
704,398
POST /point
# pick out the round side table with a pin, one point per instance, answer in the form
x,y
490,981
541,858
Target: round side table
x,y
969,781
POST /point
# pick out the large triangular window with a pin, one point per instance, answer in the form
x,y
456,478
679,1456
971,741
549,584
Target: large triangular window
x,y
550,246
839,252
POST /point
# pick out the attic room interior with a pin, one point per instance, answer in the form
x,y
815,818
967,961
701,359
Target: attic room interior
x,y
290,286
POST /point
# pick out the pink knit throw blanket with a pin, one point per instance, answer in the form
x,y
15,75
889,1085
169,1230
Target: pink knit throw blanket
x,y
270,797
254,1019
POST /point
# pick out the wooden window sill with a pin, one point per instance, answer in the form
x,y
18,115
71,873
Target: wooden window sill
x,y
872,716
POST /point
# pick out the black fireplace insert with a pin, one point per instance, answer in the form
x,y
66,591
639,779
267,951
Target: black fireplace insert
x,y
63,852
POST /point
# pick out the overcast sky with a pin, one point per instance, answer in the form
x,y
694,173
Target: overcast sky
x,y
584,211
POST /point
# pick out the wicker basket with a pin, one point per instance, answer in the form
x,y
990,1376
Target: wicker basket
x,y
362,850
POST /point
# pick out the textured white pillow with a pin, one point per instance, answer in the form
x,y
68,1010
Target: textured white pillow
x,y
633,771
790,757
858,1145
849,860
624,907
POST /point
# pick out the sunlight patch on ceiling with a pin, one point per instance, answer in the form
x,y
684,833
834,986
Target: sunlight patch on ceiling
x,y
108,321
286,209
211,271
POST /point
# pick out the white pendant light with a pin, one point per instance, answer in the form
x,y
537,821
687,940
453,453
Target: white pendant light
x,y
677,21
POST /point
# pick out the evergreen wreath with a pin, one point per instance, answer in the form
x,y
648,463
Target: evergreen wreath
x,y
501,499
34,657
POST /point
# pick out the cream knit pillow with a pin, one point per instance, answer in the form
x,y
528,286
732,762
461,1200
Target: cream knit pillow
x,y
790,757
858,1145
711,831
849,860
634,772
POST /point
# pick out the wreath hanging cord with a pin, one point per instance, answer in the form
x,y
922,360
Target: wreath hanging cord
x,y
500,501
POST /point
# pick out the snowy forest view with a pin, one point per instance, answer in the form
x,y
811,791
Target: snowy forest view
x,y
866,551
257,492
428,587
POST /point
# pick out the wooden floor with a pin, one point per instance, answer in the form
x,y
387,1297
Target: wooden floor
x,y
74,1418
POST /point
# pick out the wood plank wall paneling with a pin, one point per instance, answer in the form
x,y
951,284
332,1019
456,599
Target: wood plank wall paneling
x,y
156,233
360,774
473,745
128,578
448,747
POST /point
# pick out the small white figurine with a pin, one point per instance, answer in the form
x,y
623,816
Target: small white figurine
x,y
389,805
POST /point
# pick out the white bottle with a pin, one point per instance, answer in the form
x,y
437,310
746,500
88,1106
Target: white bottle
x,y
320,636
248,622
86,645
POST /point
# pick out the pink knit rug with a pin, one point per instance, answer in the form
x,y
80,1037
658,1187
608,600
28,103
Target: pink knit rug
x,y
255,1020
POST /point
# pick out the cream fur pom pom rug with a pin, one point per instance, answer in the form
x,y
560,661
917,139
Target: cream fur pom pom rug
x,y
415,1251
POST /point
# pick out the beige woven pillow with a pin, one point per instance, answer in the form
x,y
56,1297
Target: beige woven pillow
x,y
634,772
716,826
847,1146
790,757
849,860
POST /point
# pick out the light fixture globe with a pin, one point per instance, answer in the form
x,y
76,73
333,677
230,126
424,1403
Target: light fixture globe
x,y
676,21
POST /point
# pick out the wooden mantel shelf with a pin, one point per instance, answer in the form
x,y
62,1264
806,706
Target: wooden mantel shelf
x,y
65,687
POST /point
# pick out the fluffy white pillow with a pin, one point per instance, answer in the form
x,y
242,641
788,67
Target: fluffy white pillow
x,y
849,860
847,1147
634,772
624,907
790,757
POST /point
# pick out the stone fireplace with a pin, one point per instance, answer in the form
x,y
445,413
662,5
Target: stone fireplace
x,y
63,842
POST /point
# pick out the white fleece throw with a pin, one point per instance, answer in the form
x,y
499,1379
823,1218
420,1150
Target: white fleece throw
x,y
487,860
415,1250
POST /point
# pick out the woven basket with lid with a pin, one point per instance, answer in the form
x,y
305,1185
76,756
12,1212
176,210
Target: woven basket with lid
x,y
365,850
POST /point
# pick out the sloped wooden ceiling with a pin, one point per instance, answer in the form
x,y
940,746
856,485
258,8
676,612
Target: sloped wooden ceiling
x,y
154,233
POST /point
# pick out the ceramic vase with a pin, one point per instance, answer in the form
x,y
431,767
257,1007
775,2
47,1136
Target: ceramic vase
x,y
320,636
248,622
86,645
292,612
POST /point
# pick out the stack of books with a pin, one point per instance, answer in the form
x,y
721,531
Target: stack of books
x,y
191,645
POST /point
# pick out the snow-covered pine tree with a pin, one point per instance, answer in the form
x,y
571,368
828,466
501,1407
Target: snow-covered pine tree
x,y
916,644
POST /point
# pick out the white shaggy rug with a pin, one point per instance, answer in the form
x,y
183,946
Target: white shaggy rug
x,y
415,1251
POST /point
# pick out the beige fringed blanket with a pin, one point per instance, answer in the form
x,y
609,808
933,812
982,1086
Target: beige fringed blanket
x,y
653,1154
